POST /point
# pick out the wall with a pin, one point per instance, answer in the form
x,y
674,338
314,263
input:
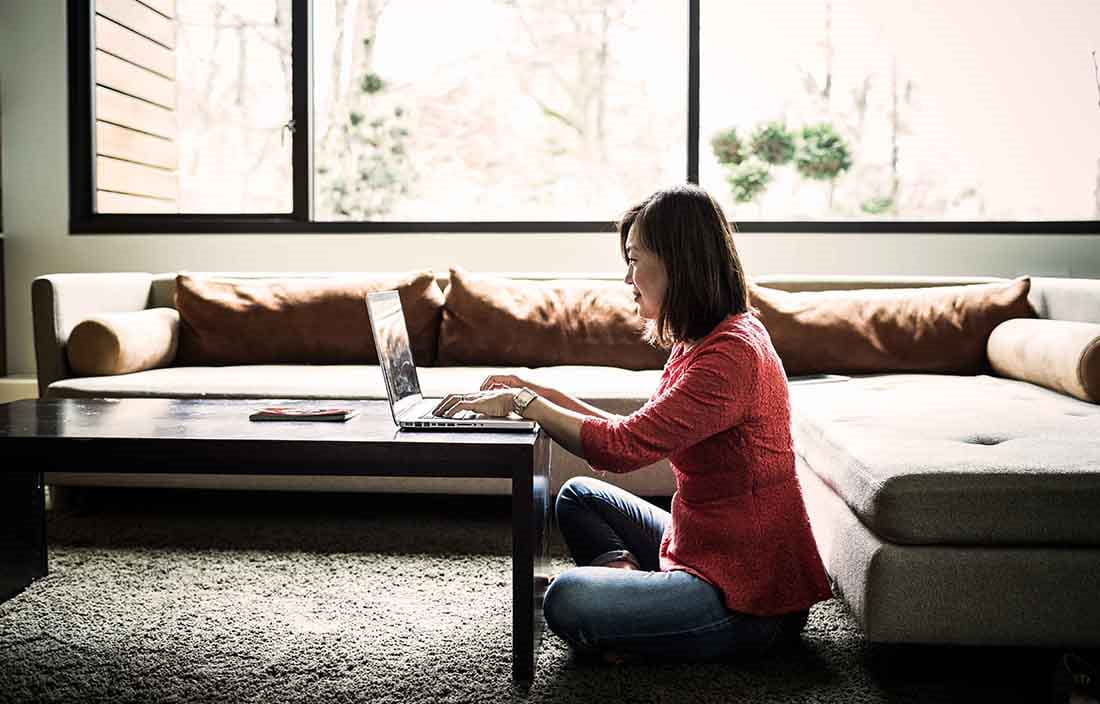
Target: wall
x,y
33,63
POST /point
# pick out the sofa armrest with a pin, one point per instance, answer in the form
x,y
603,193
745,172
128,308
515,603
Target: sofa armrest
x,y
60,301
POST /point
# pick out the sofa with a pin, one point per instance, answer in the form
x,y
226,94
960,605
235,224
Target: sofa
x,y
953,500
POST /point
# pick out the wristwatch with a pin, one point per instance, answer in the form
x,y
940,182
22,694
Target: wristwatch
x,y
522,400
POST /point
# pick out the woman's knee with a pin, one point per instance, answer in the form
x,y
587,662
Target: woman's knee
x,y
569,497
576,489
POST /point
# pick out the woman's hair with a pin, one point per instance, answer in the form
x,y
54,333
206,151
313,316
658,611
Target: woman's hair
x,y
688,231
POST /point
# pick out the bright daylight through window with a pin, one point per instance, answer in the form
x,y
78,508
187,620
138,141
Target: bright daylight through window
x,y
191,102
872,109
566,110
496,109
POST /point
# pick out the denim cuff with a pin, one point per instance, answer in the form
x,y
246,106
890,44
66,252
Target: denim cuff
x,y
614,556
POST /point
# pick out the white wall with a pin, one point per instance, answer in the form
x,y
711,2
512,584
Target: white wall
x,y
33,69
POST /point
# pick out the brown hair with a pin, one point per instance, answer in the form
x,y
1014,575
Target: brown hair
x,y
688,231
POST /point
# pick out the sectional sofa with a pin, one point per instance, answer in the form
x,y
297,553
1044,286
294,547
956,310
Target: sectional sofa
x,y
954,493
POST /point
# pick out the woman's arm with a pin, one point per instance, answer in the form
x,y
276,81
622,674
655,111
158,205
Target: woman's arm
x,y
713,393
562,424
558,398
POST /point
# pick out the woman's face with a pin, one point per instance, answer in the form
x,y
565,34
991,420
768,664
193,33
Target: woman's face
x,y
645,272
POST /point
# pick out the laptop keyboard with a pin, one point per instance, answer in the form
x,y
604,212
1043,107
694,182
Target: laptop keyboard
x,y
461,415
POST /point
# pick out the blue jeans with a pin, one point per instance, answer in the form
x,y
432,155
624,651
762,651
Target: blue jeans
x,y
649,613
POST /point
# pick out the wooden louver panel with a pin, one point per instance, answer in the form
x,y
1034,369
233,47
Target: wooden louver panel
x,y
135,102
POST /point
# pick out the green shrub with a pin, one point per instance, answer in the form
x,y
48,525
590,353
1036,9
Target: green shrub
x,y
371,83
748,179
878,205
821,153
727,147
773,143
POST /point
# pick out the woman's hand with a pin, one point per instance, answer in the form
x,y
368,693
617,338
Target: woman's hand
x,y
496,403
562,424
509,381
558,398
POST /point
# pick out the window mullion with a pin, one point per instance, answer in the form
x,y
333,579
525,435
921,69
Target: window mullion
x,y
81,110
301,42
693,93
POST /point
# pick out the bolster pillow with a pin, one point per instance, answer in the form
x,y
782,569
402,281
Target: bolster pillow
x,y
1059,354
121,343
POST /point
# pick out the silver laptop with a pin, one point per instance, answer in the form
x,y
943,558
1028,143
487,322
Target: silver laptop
x,y
410,410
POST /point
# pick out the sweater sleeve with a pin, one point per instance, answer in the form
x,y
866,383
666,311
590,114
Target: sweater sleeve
x,y
712,394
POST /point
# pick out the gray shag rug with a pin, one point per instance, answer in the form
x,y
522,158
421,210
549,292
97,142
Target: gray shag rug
x,y
200,596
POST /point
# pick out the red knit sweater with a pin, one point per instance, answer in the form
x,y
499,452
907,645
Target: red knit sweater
x,y
721,414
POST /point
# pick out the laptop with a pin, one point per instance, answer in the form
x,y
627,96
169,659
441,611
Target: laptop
x,y
411,411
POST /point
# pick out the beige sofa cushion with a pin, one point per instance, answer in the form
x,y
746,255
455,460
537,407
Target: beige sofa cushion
x,y
943,329
1057,354
617,390
322,320
960,594
121,343
936,459
490,320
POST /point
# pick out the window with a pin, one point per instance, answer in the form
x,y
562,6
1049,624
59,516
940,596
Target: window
x,y
553,116
191,102
931,111
535,110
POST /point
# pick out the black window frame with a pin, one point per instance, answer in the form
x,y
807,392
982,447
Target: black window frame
x,y
84,220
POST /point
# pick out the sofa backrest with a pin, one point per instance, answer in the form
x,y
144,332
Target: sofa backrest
x,y
1066,299
163,288
60,301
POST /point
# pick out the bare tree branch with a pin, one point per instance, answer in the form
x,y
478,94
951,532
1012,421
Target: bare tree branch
x,y
1096,73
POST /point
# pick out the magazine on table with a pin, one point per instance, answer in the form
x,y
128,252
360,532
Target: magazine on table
x,y
318,413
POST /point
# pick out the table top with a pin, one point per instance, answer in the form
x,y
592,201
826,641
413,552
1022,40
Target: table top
x,y
216,433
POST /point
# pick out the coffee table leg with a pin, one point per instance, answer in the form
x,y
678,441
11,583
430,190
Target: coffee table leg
x,y
530,522
22,531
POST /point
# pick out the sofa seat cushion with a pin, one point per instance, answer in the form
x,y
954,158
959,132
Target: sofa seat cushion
x,y
938,459
618,390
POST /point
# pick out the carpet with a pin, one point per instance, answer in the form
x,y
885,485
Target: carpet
x,y
200,596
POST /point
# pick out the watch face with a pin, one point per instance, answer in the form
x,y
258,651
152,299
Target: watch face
x,y
524,398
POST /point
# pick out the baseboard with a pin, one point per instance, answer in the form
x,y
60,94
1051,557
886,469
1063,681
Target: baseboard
x,y
17,387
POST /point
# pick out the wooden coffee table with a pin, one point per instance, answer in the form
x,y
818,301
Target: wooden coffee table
x,y
215,437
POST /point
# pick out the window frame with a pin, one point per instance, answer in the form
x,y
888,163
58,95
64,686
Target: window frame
x,y
84,220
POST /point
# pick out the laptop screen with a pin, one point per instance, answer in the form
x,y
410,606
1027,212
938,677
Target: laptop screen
x,y
391,339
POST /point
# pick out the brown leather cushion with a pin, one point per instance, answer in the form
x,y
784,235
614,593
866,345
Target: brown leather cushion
x,y
306,320
497,321
941,329
121,343
1061,355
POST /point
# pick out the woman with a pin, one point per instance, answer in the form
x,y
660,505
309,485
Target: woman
x,y
734,568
